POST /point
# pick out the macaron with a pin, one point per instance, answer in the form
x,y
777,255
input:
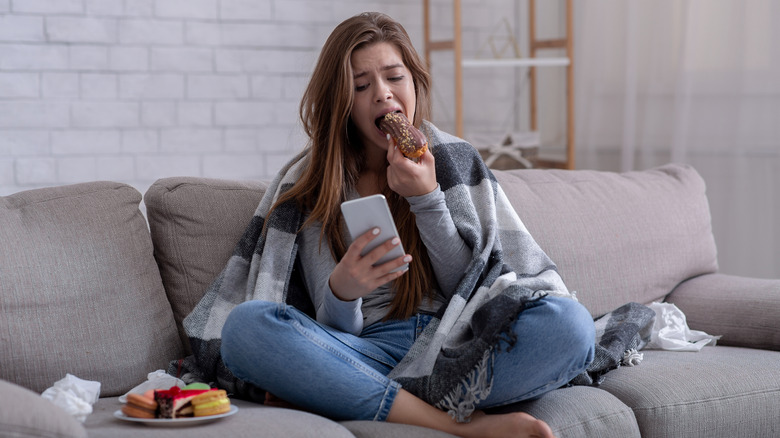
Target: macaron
x,y
211,403
139,406
197,385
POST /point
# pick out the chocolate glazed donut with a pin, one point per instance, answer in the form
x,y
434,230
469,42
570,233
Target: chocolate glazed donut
x,y
409,139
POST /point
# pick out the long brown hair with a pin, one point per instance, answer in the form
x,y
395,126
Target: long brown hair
x,y
336,152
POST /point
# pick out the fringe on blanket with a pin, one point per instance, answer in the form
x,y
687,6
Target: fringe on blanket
x,y
619,336
475,387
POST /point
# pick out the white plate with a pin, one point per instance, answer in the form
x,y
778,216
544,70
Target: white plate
x,y
175,422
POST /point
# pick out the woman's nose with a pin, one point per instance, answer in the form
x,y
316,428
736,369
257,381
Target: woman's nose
x,y
383,93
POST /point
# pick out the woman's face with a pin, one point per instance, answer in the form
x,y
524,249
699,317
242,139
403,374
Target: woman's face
x,y
383,84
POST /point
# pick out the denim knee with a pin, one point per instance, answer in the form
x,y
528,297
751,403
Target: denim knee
x,y
241,325
574,322
555,342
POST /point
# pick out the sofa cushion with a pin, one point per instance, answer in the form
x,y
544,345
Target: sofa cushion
x,y
195,225
80,290
251,421
24,413
716,392
381,429
580,411
617,237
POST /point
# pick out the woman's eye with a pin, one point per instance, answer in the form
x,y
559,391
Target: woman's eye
x,y
395,78
361,87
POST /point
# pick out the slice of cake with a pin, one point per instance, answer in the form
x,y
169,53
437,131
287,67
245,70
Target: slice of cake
x,y
176,402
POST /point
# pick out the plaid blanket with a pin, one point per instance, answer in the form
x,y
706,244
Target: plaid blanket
x,y
449,365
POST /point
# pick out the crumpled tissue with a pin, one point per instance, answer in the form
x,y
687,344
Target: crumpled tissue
x,y
671,332
76,396
155,380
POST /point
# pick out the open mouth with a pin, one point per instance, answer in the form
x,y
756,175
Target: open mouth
x,y
379,119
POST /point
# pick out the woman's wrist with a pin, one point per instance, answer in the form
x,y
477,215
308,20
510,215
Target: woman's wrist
x,y
337,295
432,197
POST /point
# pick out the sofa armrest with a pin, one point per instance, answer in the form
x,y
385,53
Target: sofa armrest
x,y
745,311
24,413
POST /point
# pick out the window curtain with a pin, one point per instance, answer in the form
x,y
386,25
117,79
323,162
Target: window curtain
x,y
689,81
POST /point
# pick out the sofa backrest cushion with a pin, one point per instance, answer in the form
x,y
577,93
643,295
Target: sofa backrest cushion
x,y
195,225
80,292
617,237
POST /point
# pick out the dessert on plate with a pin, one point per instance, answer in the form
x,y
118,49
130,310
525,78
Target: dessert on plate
x,y
196,399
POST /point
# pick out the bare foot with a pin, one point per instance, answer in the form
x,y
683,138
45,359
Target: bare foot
x,y
514,424
408,409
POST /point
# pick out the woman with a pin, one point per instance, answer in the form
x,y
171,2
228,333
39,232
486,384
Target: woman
x,y
351,358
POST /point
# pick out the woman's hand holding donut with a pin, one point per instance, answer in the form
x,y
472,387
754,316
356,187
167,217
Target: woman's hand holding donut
x,y
355,275
409,178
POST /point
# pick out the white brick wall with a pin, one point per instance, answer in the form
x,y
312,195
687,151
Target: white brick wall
x,y
135,90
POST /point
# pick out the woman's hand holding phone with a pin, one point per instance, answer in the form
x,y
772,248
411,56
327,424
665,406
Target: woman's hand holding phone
x,y
356,275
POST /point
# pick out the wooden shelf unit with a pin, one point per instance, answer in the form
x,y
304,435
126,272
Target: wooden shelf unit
x,y
532,63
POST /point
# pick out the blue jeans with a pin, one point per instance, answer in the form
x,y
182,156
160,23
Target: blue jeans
x,y
344,377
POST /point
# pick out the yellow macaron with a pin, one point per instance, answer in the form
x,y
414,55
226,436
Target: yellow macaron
x,y
211,403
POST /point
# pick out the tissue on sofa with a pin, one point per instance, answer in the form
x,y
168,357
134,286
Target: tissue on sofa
x,y
671,332
75,396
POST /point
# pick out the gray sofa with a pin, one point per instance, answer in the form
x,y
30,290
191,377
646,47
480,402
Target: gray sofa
x,y
87,289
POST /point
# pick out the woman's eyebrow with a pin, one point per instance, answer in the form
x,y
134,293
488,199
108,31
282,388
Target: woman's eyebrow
x,y
390,67
384,68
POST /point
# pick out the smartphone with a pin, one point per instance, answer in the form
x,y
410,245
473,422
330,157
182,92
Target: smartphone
x,y
363,214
